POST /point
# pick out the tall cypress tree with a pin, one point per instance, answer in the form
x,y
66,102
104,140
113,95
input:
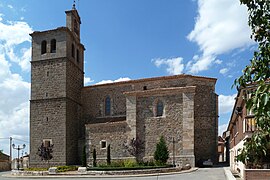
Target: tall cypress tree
x,y
94,158
109,154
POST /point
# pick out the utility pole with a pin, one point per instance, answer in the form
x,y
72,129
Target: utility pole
x,y
10,149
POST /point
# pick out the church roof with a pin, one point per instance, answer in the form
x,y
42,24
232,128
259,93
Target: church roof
x,y
180,76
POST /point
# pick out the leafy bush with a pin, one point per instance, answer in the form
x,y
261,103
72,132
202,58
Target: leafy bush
x,y
130,163
36,169
66,168
161,154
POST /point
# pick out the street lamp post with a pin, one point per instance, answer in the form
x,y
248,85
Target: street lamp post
x,y
18,149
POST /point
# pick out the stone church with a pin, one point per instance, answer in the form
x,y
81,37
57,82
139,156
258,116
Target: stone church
x,y
63,112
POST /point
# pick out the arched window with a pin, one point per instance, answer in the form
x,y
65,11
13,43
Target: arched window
x,y
73,51
107,106
78,55
160,108
53,46
43,47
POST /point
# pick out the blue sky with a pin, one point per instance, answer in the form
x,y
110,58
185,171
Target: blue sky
x,y
124,40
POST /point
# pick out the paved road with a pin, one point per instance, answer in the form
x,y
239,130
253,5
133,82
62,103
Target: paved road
x,y
200,174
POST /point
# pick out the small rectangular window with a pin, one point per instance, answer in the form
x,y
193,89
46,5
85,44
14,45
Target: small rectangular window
x,y
103,144
47,142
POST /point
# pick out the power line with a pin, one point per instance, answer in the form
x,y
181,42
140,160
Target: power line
x,y
21,140
17,139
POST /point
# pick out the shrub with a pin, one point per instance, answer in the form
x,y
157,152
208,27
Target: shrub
x,y
161,154
130,163
36,169
66,168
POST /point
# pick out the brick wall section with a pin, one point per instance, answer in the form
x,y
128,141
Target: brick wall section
x,y
255,174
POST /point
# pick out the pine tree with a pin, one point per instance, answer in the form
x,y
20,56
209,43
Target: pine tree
x,y
161,154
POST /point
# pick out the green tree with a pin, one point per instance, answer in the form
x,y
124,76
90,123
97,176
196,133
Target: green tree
x,y
258,72
94,158
161,154
109,154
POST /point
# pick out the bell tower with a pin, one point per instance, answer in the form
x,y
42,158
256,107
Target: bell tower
x,y
56,82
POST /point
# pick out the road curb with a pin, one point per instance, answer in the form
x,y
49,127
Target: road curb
x,y
101,176
228,173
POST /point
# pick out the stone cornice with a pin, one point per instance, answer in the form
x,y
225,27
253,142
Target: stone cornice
x,y
116,123
162,91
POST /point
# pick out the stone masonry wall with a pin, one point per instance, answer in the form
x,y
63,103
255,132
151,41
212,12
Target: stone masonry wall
x,y
150,128
114,134
47,122
61,38
93,96
48,79
205,109
206,124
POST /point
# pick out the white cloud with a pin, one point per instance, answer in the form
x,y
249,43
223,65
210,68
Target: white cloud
x,y
223,71
87,80
112,81
222,128
10,6
221,26
174,65
218,61
203,63
14,94
13,34
226,103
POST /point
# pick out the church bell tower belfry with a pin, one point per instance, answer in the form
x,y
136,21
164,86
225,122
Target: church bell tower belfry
x,y
56,82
